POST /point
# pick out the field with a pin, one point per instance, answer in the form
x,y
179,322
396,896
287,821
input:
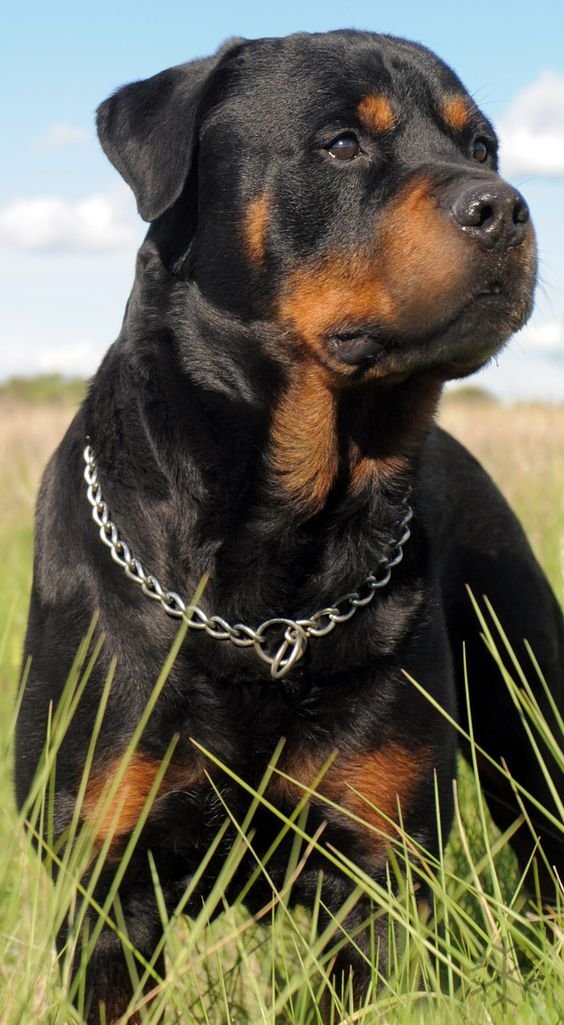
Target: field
x,y
486,956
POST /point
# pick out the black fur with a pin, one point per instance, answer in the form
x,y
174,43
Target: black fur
x,y
283,294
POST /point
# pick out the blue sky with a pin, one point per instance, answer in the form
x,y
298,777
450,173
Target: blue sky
x,y
68,230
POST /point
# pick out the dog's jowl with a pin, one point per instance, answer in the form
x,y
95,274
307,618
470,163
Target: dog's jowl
x,y
329,242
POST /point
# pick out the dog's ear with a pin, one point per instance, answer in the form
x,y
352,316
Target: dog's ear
x,y
148,130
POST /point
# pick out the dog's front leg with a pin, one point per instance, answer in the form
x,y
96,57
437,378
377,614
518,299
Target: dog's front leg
x,y
361,955
117,968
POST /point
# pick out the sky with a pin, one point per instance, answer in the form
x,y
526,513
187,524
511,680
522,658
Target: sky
x,y
68,225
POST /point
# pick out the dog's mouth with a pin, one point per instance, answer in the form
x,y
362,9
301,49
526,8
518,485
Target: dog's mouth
x,y
472,334
360,346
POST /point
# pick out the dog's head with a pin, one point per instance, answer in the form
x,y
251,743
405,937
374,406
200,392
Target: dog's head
x,y
342,187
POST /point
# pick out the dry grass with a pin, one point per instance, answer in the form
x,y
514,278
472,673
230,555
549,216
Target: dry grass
x,y
28,435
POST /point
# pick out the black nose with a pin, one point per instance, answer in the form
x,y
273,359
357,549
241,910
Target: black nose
x,y
494,212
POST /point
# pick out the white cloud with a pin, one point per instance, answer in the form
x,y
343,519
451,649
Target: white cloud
x,y
532,129
546,338
61,134
25,358
78,359
97,223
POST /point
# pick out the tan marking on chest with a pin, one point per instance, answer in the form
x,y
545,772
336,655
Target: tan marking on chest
x,y
371,786
255,228
304,438
367,469
393,431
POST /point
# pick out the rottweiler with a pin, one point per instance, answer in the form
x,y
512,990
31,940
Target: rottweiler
x,y
329,242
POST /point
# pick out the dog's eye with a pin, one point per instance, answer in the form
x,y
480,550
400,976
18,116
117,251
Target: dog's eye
x,y
480,150
344,147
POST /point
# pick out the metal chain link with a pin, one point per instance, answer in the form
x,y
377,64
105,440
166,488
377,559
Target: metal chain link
x,y
295,632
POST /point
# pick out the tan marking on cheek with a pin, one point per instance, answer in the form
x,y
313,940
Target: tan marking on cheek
x,y
409,279
426,261
116,814
376,113
304,438
340,291
256,227
455,112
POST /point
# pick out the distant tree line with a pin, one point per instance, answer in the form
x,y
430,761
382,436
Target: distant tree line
x,y
54,389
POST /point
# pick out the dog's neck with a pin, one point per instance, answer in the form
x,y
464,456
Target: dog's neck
x,y
325,438
275,425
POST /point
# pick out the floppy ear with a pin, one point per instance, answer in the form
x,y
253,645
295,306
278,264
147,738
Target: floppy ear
x,y
148,130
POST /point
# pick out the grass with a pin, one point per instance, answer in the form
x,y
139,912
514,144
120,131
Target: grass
x,y
44,389
487,954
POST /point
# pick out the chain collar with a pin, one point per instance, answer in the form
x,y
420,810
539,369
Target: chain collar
x,y
295,632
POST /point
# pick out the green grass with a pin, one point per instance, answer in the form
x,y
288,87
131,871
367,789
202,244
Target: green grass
x,y
487,954
44,388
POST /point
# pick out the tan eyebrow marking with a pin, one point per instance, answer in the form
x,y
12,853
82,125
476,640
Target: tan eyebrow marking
x,y
376,113
455,112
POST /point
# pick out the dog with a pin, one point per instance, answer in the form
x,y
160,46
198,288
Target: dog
x,y
329,242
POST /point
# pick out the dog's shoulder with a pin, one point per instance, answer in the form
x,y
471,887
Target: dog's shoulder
x,y
460,500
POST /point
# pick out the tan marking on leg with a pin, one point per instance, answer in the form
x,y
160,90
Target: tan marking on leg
x,y
113,1009
373,786
376,113
115,816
